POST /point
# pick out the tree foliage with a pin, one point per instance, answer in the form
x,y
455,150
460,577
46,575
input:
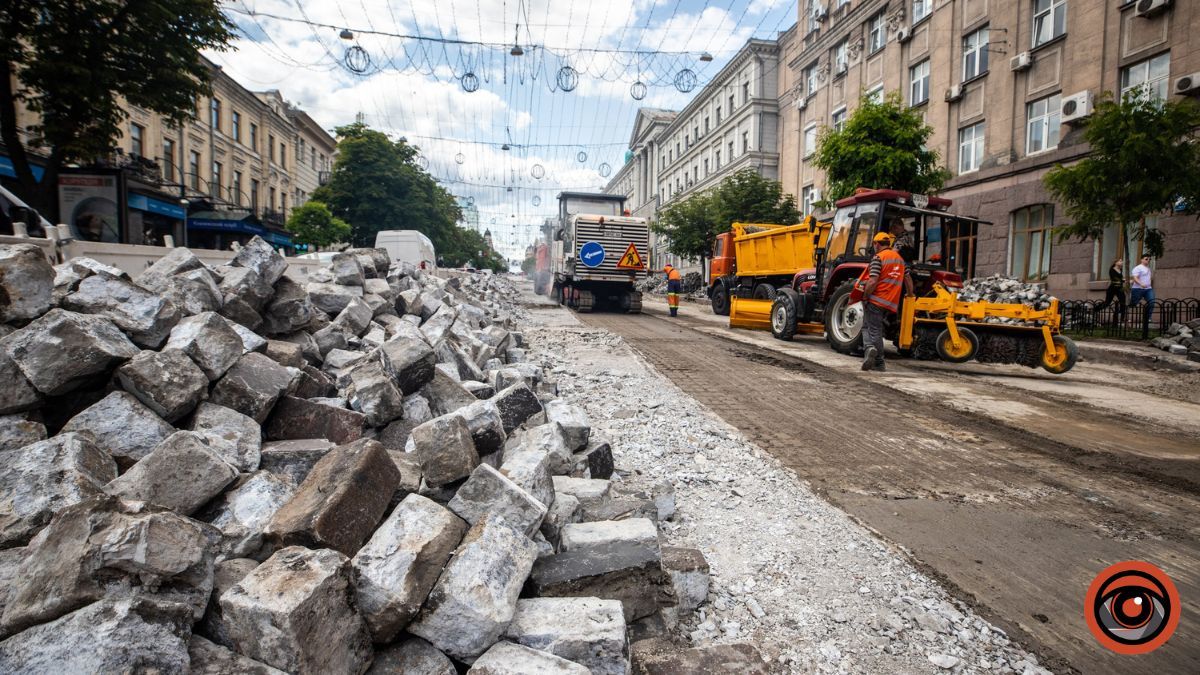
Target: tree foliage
x,y
1145,158
71,61
312,223
376,184
882,145
691,225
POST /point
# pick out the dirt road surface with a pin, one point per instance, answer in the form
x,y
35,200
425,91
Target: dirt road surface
x,y
1014,487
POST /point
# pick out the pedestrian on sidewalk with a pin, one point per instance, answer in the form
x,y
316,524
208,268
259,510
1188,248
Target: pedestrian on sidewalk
x,y
674,286
884,278
1142,286
1116,290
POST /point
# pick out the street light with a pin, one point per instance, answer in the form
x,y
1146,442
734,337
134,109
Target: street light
x,y
346,34
706,57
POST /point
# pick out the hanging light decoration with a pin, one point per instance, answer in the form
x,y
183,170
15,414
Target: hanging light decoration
x,y
568,78
581,157
638,90
537,201
460,158
537,171
469,82
604,169
357,60
685,80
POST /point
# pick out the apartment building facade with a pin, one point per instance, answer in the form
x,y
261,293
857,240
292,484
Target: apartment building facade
x,y
233,169
1006,86
730,124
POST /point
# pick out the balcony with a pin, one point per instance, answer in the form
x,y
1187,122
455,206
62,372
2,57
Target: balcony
x,y
275,218
323,177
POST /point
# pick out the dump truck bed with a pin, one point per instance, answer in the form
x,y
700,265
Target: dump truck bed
x,y
764,250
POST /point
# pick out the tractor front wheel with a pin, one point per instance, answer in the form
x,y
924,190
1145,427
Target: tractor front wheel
x,y
783,314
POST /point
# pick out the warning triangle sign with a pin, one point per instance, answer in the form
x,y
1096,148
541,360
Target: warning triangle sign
x,y
632,260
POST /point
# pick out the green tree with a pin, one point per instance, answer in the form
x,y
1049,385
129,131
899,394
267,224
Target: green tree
x,y
72,61
747,197
315,225
376,185
1145,158
690,226
882,145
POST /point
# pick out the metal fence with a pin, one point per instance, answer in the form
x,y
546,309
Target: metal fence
x,y
1142,322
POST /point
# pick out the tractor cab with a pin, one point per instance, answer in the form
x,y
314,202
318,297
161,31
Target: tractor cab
x,y
936,244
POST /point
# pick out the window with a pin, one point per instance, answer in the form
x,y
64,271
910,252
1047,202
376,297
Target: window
x,y
810,140
253,194
235,125
841,58
810,80
271,146
839,119
696,132
1111,244
254,137
235,188
970,148
706,125
706,168
731,151
745,92
312,157
1030,242
876,33
136,132
168,151
875,94
1049,20
806,200
271,197
718,114
814,15
194,169
1044,124
731,104
214,187
718,159
1149,77
283,203
841,3
918,83
975,54
695,173
283,155
215,118
921,9
745,141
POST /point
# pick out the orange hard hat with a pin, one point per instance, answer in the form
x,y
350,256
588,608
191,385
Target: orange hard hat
x,y
668,266
884,238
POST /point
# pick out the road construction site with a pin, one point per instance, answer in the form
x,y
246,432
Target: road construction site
x,y
1012,487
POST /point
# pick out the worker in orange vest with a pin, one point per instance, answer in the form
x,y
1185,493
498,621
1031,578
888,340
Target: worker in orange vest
x,y
674,285
882,282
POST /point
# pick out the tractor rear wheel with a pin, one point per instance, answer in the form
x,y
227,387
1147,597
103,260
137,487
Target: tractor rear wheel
x,y
844,320
783,314
1062,360
957,354
720,299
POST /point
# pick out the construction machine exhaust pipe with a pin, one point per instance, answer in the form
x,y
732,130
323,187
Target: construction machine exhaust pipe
x,y
749,313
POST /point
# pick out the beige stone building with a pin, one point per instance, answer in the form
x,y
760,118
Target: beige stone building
x,y
730,124
234,169
1005,84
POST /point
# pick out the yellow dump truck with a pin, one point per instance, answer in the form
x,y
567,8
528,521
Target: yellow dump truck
x,y
753,260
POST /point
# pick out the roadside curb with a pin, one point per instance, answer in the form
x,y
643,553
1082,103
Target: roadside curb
x,y
1128,356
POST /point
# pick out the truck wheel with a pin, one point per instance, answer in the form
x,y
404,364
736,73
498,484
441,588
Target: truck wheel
x,y
844,320
764,291
720,299
948,352
783,314
1064,360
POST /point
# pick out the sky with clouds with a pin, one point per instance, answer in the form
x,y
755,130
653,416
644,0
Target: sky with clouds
x,y
565,107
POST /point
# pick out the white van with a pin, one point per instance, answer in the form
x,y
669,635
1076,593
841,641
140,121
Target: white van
x,y
408,246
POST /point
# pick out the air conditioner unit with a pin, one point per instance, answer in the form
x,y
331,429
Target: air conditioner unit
x,y
819,12
1188,84
903,35
1148,8
815,195
1076,107
954,93
801,102
842,68
1022,61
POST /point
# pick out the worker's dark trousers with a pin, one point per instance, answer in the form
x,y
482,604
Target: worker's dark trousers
x,y
873,316
673,289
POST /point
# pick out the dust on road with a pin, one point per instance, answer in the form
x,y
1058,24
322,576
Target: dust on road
x,y
1017,524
